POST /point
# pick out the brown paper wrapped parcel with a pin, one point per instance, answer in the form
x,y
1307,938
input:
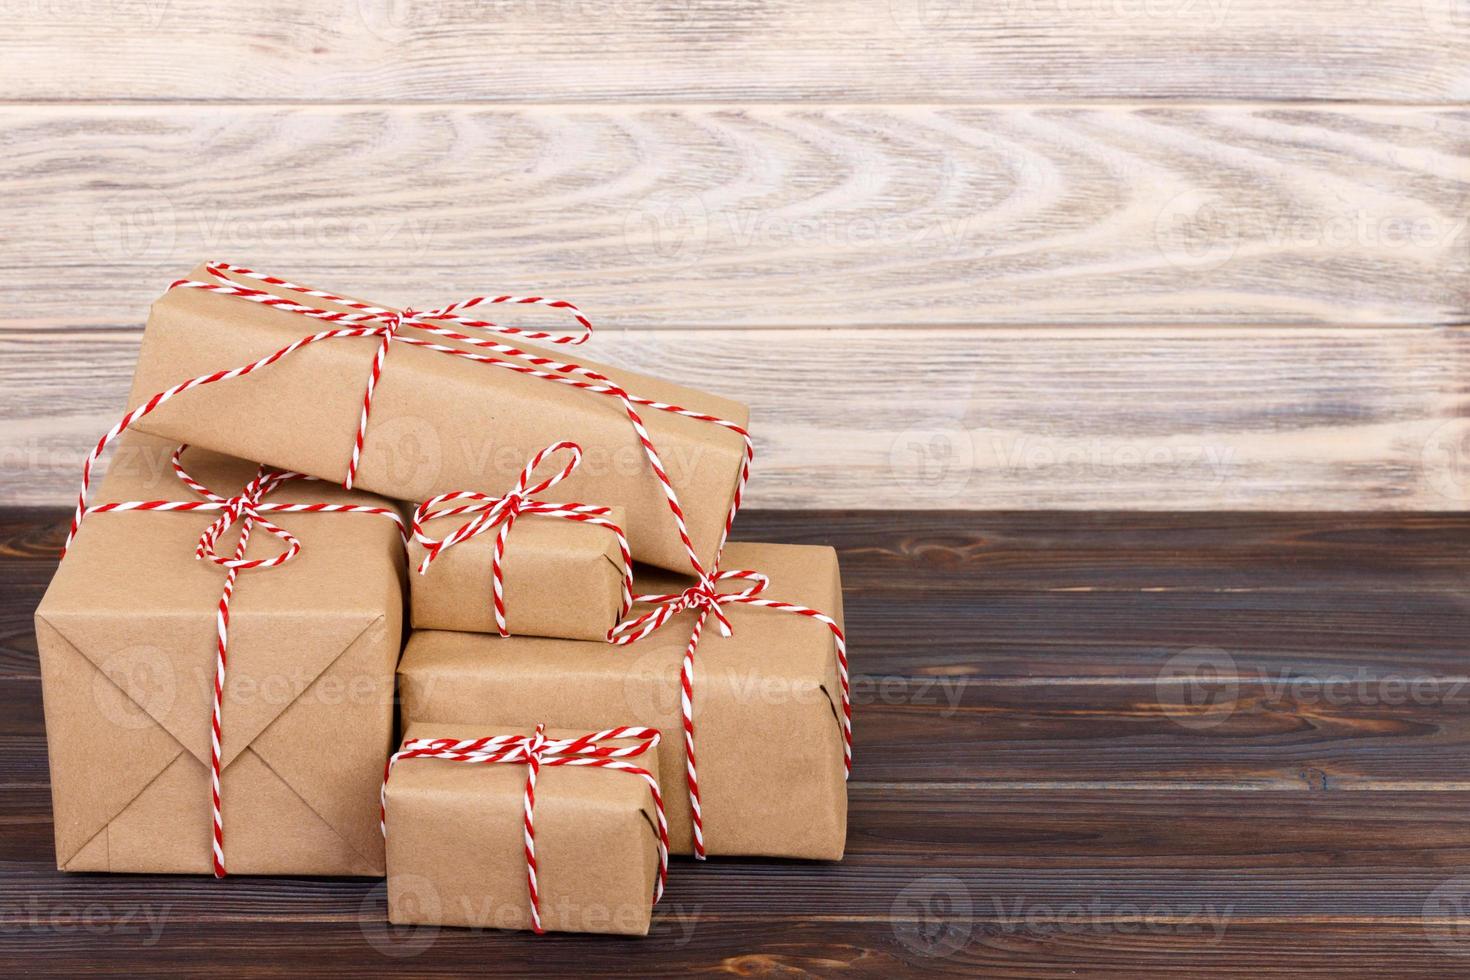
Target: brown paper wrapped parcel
x,y
456,852
767,703
439,423
127,640
561,578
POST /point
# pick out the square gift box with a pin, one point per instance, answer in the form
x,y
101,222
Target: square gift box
x,y
129,636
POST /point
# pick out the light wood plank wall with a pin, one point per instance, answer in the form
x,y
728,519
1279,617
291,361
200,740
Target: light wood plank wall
x,y
1035,253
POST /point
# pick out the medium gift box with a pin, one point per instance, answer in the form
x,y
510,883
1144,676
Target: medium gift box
x,y
553,831
411,404
563,571
763,712
217,651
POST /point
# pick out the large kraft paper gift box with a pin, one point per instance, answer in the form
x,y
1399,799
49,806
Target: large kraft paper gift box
x,y
439,422
128,645
455,829
767,703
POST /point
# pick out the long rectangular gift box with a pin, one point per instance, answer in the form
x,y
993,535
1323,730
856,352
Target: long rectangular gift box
x,y
448,412
140,622
768,703
549,830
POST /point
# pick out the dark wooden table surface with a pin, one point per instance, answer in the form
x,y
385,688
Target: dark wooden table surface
x,y
1085,743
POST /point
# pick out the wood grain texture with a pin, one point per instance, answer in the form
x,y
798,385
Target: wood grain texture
x,y
1030,947
976,246
1138,418
1042,823
768,217
727,50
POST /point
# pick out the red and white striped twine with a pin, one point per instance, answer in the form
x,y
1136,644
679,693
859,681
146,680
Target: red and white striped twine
x,y
246,509
536,751
502,512
705,599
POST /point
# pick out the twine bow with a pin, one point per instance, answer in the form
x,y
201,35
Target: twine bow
x,y
705,599
501,513
395,320
247,509
534,752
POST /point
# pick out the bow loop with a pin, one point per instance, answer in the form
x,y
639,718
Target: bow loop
x,y
523,482
493,512
243,509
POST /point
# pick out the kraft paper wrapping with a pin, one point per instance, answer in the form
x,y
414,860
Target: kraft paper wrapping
x,y
456,855
126,633
561,578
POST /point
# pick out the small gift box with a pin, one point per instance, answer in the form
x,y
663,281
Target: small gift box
x,y
750,666
217,670
548,831
565,571
415,403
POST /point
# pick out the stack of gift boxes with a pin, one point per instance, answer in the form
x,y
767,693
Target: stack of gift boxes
x,y
470,623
